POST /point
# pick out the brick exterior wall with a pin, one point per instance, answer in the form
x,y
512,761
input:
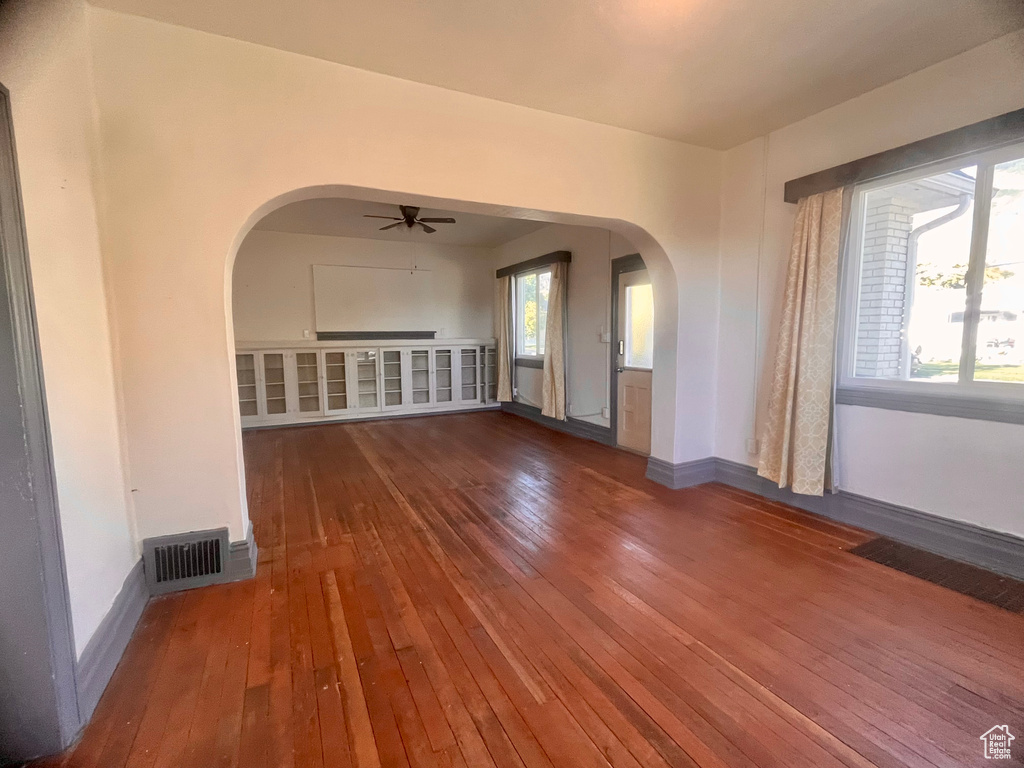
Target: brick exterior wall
x,y
883,285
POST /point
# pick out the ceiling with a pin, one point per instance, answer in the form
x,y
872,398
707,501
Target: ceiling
x,y
709,72
342,217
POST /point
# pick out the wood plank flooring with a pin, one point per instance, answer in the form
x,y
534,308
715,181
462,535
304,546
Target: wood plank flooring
x,y
475,590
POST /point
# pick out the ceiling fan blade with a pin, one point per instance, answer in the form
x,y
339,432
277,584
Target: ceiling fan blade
x,y
392,226
374,216
428,230
445,220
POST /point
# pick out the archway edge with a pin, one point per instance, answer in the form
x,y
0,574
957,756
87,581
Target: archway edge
x,y
649,247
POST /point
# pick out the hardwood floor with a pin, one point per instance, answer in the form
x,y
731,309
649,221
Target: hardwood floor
x,y
475,590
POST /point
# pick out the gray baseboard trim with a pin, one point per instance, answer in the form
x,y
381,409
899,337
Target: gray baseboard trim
x,y
676,476
994,551
102,653
242,558
571,426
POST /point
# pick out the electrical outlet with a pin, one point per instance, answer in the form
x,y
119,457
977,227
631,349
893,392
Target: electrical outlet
x,y
753,446
606,412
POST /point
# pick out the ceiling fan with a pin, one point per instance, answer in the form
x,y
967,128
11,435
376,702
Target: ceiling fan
x,y
410,218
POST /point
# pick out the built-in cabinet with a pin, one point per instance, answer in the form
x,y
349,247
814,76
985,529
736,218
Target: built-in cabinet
x,y
283,386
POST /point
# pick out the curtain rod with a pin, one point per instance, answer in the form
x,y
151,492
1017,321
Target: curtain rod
x,y
554,257
977,137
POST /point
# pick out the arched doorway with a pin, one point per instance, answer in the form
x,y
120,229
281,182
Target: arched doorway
x,y
280,303
662,279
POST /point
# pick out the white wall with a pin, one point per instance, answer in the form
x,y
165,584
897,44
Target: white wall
x,y
273,283
200,133
589,313
45,63
955,468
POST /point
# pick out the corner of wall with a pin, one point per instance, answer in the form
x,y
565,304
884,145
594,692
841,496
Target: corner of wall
x,y
101,198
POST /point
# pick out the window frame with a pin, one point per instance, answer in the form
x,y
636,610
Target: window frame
x,y
521,356
967,398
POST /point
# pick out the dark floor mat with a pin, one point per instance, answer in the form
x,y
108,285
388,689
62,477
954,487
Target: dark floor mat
x,y
966,579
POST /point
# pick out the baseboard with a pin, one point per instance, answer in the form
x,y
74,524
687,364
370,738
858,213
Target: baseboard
x,y
994,551
676,476
577,427
242,558
102,653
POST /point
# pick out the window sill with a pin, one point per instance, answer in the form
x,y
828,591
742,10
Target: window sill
x,y
956,405
530,362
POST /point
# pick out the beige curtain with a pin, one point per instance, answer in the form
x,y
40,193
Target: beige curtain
x,y
796,440
554,346
503,326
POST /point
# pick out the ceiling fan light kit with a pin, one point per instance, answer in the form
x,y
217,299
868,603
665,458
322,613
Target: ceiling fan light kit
x,y
410,218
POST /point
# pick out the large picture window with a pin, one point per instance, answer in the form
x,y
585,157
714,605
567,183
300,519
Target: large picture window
x,y
934,284
532,289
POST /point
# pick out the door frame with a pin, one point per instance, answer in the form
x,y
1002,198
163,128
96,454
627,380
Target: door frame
x,y
56,708
632,263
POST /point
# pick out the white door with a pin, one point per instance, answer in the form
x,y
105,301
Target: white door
x,y
469,374
420,391
364,386
274,391
335,382
308,399
248,400
635,360
490,374
395,382
442,375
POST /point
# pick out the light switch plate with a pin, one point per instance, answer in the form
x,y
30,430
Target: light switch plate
x,y
606,338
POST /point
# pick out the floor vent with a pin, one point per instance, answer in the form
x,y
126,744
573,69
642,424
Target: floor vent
x,y
185,560
1001,591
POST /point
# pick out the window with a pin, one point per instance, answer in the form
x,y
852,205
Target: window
x,y
934,281
639,351
532,290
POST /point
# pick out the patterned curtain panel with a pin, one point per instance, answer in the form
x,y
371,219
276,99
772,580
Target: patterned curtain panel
x,y
503,327
554,346
796,441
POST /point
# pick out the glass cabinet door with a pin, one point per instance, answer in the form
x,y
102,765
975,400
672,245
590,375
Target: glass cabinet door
x,y
469,360
443,375
307,370
334,382
420,370
365,365
273,380
245,370
490,374
392,373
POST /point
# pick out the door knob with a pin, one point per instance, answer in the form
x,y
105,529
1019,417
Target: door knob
x,y
619,370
